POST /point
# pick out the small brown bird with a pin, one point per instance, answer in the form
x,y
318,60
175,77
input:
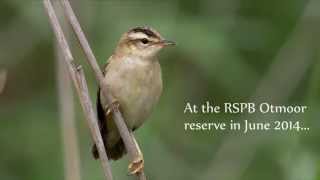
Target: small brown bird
x,y
133,74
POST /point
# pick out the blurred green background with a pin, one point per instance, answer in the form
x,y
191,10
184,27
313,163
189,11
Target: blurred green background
x,y
228,51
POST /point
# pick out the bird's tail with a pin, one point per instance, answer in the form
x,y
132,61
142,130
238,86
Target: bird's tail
x,y
115,152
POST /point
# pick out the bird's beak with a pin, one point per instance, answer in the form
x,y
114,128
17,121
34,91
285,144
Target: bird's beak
x,y
167,43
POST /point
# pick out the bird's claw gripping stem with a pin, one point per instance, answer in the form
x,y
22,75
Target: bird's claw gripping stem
x,y
113,107
136,166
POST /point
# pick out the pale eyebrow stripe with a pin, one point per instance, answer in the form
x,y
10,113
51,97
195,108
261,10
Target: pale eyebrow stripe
x,y
138,35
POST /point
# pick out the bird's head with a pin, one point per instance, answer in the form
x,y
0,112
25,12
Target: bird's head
x,y
143,42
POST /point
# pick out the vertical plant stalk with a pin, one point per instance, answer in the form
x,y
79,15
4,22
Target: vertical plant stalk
x,y
3,79
67,120
79,82
131,147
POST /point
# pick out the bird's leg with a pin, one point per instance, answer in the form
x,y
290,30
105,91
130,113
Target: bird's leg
x,y
138,164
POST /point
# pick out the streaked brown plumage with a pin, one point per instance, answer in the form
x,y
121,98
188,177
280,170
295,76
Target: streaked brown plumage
x,y
133,74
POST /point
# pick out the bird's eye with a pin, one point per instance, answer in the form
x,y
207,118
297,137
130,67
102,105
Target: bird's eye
x,y
145,41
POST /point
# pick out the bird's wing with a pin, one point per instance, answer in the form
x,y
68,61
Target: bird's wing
x,y
100,108
117,150
101,113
